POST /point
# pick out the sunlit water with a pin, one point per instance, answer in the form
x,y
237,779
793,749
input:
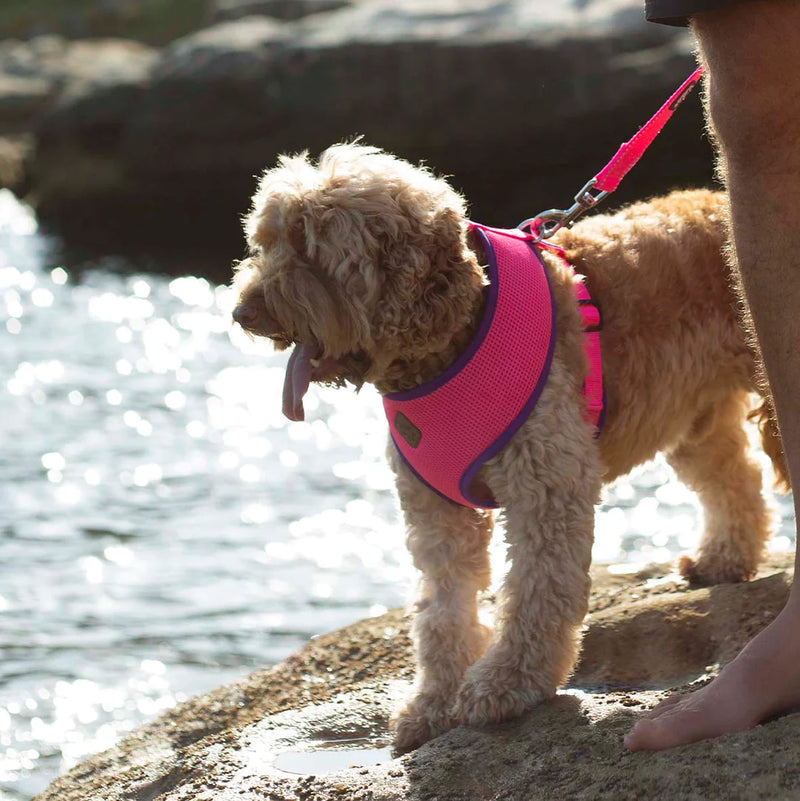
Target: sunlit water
x,y
163,529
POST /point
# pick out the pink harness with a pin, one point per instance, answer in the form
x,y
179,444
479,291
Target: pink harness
x,y
448,428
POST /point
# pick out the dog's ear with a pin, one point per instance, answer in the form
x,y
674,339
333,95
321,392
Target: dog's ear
x,y
431,293
455,275
277,202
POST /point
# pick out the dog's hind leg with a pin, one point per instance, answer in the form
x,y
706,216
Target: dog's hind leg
x,y
449,544
548,480
713,461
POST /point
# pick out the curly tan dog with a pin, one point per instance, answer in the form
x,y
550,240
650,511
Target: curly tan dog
x,y
365,263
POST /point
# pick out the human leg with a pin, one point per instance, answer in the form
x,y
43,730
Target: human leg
x,y
753,95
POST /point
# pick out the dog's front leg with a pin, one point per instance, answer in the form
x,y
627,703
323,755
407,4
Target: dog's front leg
x,y
449,544
548,482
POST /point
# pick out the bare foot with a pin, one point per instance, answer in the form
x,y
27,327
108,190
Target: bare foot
x,y
763,680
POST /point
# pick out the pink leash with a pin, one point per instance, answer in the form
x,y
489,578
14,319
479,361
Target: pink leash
x,y
545,224
608,179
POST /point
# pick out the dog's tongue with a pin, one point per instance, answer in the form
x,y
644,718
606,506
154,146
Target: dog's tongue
x,y
298,377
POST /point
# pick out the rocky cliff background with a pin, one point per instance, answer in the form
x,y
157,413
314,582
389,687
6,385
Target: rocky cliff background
x,y
152,144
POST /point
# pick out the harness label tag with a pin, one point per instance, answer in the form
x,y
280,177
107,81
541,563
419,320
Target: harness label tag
x,y
410,433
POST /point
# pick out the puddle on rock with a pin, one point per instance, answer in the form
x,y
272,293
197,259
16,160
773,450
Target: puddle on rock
x,y
349,732
332,755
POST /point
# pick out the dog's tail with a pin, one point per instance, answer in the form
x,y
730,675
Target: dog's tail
x,y
764,417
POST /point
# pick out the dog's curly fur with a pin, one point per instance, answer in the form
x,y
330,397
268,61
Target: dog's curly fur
x,y
367,262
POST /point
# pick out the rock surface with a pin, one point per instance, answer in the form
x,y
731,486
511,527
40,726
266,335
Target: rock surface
x,y
520,102
315,726
37,75
224,10
143,20
47,69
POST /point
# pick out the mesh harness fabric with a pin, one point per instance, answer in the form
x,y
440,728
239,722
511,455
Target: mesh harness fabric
x,y
449,427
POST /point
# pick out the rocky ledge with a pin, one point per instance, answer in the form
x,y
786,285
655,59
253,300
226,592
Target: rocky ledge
x,y
316,725
520,102
39,74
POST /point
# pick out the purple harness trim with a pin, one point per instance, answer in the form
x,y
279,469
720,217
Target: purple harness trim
x,y
499,442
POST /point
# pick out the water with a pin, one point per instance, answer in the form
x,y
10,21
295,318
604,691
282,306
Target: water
x,y
163,529
330,756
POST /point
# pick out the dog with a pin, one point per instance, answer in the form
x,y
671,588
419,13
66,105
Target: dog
x,y
369,266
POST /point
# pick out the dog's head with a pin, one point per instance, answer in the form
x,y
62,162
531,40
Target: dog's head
x,y
360,261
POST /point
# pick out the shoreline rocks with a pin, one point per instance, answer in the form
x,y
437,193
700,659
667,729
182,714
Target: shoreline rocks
x,y
520,103
316,725
37,75
142,20
224,10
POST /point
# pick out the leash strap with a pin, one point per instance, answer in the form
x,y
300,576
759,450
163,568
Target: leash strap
x,y
546,223
629,153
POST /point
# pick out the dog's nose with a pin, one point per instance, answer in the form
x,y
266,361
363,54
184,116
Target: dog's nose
x,y
246,314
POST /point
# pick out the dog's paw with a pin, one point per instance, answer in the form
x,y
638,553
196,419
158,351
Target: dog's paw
x,y
420,721
485,698
714,569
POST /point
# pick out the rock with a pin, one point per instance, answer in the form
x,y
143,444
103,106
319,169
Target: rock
x,y
52,65
146,20
22,99
315,726
224,10
14,155
37,75
520,102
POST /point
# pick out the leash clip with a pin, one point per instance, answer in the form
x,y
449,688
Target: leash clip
x,y
545,224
